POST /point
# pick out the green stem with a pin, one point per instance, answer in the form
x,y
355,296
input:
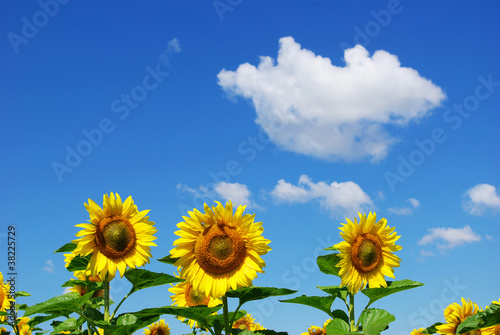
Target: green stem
x,y
234,315
106,301
121,302
352,320
226,316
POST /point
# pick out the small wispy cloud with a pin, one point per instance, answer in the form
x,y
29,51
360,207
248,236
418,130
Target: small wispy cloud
x,y
340,199
49,266
238,193
173,47
481,199
414,204
449,238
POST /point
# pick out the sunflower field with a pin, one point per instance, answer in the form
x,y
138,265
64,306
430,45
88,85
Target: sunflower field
x,y
218,254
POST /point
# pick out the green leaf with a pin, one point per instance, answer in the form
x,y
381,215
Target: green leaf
x,y
62,305
68,247
487,318
22,294
331,248
392,287
142,279
251,293
168,259
269,332
69,324
337,327
432,329
337,291
327,264
340,314
196,313
322,303
40,319
375,320
127,324
79,263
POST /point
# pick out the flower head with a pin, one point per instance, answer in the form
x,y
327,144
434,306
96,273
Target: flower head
x,y
118,236
158,328
5,298
367,253
219,250
247,322
454,314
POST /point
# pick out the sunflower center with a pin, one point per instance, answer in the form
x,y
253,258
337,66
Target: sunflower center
x,y
157,331
195,298
220,249
115,237
366,252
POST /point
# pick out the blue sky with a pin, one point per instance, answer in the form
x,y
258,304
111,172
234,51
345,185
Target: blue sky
x,y
269,104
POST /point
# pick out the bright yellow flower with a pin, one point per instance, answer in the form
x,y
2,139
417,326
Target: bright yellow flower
x,y
219,250
118,236
80,275
493,330
247,322
5,299
24,328
186,296
367,253
454,314
158,328
315,330
3,330
417,331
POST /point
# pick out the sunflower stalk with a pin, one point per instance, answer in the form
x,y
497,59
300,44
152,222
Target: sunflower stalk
x,y
352,320
106,301
227,326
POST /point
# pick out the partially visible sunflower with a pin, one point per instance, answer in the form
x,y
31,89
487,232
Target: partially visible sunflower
x,y
247,322
417,331
5,299
367,252
80,275
219,250
186,296
118,236
315,330
493,330
24,328
454,314
158,328
3,330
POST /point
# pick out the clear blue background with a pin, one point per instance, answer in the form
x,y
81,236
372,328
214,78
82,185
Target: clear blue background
x,y
65,78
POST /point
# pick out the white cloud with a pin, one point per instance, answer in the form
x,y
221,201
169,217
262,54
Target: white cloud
x,y
449,238
425,253
307,105
414,204
341,199
480,199
237,193
490,238
49,266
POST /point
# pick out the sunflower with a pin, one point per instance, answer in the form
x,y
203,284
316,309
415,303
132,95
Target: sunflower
x,y
417,331
247,322
186,296
118,236
366,253
3,330
219,249
23,326
493,330
315,330
158,328
454,314
81,275
5,298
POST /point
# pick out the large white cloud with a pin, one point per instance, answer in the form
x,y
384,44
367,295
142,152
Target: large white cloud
x,y
449,238
481,198
341,199
307,105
